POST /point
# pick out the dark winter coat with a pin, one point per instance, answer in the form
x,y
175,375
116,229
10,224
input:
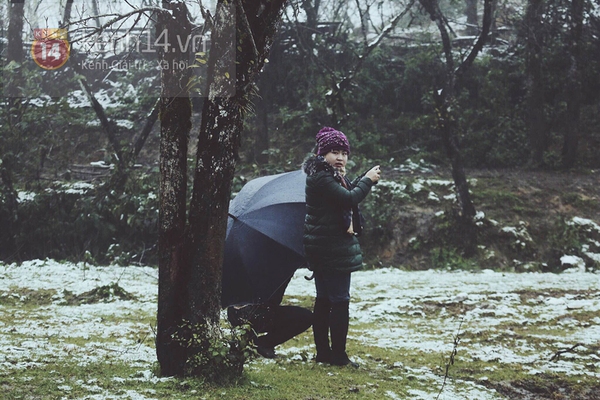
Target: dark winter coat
x,y
327,244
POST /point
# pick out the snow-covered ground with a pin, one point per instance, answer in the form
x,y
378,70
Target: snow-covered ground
x,y
411,311
417,311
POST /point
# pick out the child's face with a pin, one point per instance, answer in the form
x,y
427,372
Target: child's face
x,y
337,158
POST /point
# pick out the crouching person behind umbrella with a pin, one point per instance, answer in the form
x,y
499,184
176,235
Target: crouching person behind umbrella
x,y
272,323
332,249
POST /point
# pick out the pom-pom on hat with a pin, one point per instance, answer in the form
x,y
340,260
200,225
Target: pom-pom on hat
x,y
330,139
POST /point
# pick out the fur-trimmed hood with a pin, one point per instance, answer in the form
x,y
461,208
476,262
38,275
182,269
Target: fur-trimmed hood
x,y
315,164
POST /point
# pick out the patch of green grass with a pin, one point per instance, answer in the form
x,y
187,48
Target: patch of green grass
x,y
449,258
534,294
105,293
27,297
584,316
498,197
548,386
453,308
382,371
300,301
508,352
71,380
581,201
282,379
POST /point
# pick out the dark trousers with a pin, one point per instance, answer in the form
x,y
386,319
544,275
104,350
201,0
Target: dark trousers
x,y
288,321
279,323
333,286
331,317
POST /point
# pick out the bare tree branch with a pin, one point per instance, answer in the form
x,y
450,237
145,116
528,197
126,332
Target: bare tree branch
x,y
116,18
450,361
138,143
67,13
104,121
363,28
346,81
388,28
483,36
557,355
247,28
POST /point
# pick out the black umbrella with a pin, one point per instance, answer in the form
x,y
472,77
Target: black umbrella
x,y
264,246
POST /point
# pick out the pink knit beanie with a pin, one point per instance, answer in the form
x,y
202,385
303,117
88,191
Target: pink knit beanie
x,y
330,139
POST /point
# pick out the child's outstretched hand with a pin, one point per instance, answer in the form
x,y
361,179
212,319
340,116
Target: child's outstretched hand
x,y
374,174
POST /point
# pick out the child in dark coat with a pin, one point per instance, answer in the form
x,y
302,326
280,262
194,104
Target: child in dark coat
x,y
332,223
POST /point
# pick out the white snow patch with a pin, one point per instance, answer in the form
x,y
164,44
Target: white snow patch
x,y
575,262
585,222
22,197
413,311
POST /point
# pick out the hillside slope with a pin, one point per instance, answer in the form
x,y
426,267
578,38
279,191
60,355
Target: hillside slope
x,y
527,220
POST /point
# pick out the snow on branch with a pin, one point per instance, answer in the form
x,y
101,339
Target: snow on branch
x,y
389,27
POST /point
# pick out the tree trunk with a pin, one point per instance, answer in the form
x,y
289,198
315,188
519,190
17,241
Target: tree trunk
x,y
96,13
67,14
471,14
8,234
175,119
573,86
14,110
16,13
535,99
241,41
14,54
311,8
126,162
447,124
190,265
494,24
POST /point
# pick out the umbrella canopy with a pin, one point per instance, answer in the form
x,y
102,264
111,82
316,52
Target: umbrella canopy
x,y
264,246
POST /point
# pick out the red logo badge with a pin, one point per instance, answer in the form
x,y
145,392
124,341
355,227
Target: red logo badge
x,y
50,48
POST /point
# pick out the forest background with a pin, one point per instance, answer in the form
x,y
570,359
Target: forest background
x,y
79,147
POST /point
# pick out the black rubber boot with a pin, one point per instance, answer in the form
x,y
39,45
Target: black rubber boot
x,y
339,320
264,347
321,329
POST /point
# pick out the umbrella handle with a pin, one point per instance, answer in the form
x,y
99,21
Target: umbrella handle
x,y
310,278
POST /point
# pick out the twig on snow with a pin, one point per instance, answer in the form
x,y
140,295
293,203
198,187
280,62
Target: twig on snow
x,y
450,361
571,349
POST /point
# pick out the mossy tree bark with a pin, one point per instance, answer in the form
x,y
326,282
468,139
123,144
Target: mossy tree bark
x,y
175,120
191,255
241,41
